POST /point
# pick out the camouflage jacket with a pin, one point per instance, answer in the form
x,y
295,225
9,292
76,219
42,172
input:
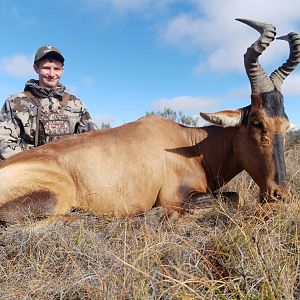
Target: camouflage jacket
x,y
18,117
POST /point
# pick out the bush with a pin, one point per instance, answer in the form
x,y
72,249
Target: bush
x,y
292,138
177,117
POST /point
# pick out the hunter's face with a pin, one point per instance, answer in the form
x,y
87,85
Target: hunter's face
x,y
50,72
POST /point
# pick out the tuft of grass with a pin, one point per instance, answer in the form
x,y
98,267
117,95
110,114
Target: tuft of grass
x,y
217,253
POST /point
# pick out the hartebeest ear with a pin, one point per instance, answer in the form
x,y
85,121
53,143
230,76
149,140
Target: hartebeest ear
x,y
224,118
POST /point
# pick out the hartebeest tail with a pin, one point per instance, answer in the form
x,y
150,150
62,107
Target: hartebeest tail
x,y
157,162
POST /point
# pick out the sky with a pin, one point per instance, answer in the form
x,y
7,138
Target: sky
x,y
124,58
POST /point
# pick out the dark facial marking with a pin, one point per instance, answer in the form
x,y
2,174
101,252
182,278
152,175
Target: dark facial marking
x,y
274,107
278,158
36,204
273,104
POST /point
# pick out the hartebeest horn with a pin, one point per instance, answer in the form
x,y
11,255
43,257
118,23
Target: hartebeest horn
x,y
279,75
259,80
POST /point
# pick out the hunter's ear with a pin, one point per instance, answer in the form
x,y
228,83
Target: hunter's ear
x,y
224,118
36,68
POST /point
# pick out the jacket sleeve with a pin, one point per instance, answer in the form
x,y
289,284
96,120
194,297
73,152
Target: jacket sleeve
x,y
9,132
86,123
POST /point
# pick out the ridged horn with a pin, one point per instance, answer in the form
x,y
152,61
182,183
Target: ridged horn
x,y
259,80
279,75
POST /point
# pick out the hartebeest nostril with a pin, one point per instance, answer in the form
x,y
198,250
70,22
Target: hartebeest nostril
x,y
281,194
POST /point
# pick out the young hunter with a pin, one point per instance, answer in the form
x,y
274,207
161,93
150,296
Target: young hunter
x,y
44,111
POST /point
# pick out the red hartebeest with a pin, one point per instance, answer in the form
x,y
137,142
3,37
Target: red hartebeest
x,y
157,162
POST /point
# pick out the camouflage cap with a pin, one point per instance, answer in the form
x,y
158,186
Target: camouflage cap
x,y
45,50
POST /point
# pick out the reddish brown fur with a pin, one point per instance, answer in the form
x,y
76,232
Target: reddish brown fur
x,y
129,169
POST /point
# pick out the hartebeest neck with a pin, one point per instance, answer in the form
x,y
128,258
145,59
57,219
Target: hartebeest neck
x,y
217,153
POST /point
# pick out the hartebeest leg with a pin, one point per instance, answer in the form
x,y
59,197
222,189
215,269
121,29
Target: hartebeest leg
x,y
35,204
42,190
198,200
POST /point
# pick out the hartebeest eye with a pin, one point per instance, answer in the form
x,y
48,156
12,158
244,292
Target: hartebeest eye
x,y
257,124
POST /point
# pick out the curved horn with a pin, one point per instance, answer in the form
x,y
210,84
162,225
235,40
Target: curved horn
x,y
259,80
279,75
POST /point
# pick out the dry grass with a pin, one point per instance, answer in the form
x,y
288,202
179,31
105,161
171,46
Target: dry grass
x,y
217,253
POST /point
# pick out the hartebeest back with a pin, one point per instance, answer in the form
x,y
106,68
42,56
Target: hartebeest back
x,y
157,162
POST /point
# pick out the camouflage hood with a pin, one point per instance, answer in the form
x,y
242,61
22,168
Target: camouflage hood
x,y
32,86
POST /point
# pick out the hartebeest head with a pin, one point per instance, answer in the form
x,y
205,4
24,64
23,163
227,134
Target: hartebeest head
x,y
259,144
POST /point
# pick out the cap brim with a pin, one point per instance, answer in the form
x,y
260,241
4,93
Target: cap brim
x,y
53,54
